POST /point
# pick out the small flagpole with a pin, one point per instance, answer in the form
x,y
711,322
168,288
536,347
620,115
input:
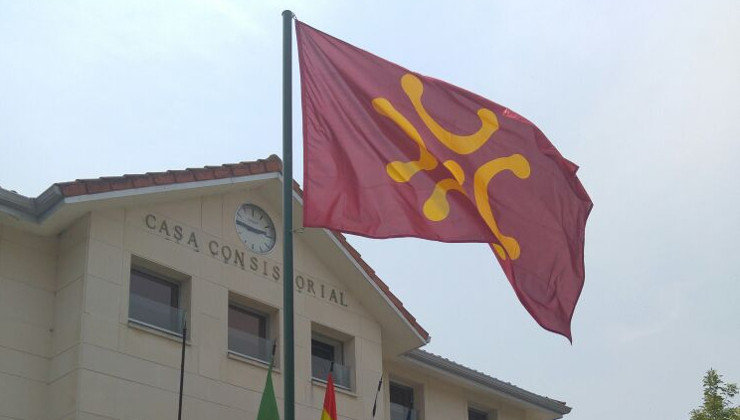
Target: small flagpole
x,y
289,354
182,363
274,347
377,392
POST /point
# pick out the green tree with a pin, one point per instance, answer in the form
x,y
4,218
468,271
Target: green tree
x,y
717,399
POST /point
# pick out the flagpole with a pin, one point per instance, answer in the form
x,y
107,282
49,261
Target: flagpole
x,y
182,364
375,403
288,348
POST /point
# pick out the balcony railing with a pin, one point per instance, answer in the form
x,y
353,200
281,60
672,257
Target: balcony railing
x,y
249,345
155,314
342,374
400,412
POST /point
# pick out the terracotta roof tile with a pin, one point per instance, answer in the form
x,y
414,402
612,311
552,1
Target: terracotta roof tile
x,y
241,170
163,178
121,184
261,166
183,176
274,165
202,174
140,181
222,173
71,189
255,167
95,186
130,181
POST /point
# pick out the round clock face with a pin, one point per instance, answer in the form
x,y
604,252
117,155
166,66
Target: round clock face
x,y
255,228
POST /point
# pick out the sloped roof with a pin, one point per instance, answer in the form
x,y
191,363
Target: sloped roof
x,y
150,179
35,208
438,362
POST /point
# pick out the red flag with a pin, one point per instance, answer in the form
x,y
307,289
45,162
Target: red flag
x,y
391,153
329,412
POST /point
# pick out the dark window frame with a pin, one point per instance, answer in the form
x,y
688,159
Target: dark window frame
x,y
403,395
321,365
336,345
403,388
320,349
176,299
264,319
477,414
252,339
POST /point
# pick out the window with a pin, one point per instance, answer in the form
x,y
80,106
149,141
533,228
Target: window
x,y
474,414
248,333
328,354
326,349
252,329
402,402
156,300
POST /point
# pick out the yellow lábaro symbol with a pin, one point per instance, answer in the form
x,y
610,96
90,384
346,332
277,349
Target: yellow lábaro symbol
x,y
436,207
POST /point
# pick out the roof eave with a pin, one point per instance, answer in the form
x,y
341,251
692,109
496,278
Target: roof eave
x,y
29,209
441,364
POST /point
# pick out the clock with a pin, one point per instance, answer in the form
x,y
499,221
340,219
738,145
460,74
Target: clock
x,y
255,228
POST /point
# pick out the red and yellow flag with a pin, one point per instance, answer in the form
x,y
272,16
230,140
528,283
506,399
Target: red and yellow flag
x,y
391,153
330,404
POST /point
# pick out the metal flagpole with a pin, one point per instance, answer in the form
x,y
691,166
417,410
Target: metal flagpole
x,y
289,354
182,363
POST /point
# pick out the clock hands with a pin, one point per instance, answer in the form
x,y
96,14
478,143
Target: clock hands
x,y
252,229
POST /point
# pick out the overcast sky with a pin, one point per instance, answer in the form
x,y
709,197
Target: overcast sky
x,y
643,95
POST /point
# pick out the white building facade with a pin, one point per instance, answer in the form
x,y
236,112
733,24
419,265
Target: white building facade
x,y
98,278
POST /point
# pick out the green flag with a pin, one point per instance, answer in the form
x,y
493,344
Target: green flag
x,y
268,405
